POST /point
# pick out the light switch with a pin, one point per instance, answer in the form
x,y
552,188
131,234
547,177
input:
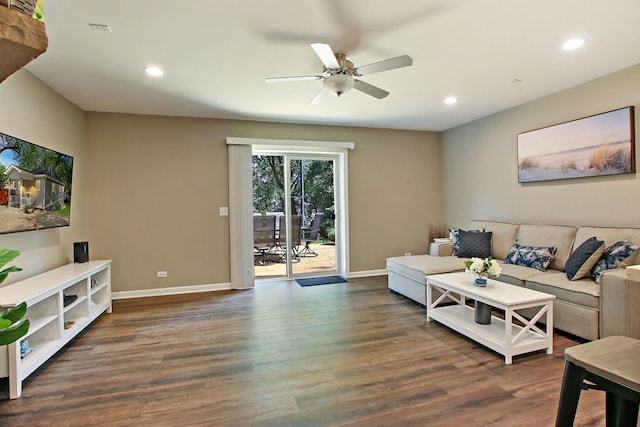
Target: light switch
x,y
224,211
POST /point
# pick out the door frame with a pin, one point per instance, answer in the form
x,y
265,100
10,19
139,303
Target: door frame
x,y
241,199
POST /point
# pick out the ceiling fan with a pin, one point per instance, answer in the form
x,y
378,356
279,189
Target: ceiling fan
x,y
339,75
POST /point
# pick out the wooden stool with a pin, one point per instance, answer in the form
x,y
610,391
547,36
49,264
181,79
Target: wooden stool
x,y
611,364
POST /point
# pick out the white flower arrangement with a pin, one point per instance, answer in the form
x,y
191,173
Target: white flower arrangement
x,y
483,267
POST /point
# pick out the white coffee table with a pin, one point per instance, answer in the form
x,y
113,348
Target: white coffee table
x,y
502,336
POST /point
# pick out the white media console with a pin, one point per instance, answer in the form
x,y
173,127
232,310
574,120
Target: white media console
x,y
60,304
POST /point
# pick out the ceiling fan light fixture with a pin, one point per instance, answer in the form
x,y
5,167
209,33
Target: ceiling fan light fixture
x,y
338,83
340,76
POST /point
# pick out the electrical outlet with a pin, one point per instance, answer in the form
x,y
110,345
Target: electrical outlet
x,y
162,274
407,254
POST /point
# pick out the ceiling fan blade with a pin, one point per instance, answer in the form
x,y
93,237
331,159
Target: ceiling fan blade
x,y
349,30
291,79
326,55
387,64
372,90
283,37
320,96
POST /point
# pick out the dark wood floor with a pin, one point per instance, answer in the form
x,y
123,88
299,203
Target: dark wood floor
x,y
282,355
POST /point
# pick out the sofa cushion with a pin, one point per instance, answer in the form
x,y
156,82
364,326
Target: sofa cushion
x,y
530,256
619,255
558,236
582,260
474,244
503,237
417,266
516,274
610,235
582,292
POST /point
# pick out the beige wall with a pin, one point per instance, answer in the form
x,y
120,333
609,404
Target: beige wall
x,y
146,189
480,163
157,182
31,111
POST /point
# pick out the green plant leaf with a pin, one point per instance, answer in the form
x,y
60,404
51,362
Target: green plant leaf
x,y
14,333
4,273
7,255
38,13
15,313
5,323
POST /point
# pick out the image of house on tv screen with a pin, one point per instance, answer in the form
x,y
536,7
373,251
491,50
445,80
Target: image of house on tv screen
x,y
35,186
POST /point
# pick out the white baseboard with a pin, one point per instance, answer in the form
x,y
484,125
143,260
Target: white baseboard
x,y
369,273
177,290
170,291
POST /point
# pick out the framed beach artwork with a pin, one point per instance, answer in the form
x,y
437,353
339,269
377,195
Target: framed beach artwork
x,y
598,145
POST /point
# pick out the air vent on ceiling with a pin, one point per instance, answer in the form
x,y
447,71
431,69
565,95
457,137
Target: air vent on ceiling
x,y
100,27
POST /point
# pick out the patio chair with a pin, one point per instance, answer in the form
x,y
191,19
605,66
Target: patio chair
x,y
264,238
295,237
311,235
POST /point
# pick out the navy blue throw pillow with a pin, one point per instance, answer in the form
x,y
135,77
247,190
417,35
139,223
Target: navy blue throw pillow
x,y
474,244
582,260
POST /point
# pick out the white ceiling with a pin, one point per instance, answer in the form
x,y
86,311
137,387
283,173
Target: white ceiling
x,y
217,53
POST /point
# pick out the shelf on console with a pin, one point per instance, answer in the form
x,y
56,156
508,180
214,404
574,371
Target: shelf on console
x,y
98,288
78,323
44,295
40,323
74,304
38,355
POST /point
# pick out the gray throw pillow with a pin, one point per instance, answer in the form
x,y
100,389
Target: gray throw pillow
x,y
474,244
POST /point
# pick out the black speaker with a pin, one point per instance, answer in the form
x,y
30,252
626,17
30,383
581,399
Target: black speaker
x,y
81,252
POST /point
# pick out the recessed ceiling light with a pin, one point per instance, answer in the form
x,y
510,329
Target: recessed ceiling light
x,y
572,44
153,71
450,100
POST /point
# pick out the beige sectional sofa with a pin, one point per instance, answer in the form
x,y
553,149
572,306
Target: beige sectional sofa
x,y
582,307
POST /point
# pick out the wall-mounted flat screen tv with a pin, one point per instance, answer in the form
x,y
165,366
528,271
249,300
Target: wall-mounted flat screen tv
x,y
35,186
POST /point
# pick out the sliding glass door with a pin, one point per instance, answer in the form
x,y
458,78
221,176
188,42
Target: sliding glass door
x,y
313,194
295,194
